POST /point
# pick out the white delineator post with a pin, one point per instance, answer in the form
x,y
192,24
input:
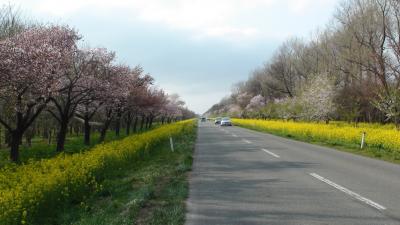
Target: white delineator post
x,y
171,143
362,140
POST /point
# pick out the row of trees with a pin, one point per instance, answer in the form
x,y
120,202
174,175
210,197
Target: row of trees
x,y
43,72
348,71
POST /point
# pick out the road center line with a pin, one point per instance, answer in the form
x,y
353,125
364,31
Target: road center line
x,y
271,153
234,135
349,192
247,141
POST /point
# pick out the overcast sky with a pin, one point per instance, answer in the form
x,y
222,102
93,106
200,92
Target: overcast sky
x,y
196,48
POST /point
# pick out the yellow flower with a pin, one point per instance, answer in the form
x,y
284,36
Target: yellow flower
x,y
384,137
26,188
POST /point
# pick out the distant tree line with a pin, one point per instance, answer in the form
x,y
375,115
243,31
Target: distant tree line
x,y
50,85
348,71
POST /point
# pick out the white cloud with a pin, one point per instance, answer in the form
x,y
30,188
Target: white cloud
x,y
201,18
230,33
299,6
200,100
60,8
302,6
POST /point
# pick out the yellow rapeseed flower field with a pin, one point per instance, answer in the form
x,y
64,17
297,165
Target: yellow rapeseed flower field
x,y
35,189
383,137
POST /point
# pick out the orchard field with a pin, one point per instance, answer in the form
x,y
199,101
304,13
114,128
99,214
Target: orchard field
x,y
52,87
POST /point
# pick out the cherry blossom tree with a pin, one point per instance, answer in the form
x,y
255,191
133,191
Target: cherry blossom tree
x,y
137,91
256,103
100,71
136,100
129,81
173,107
122,84
318,99
243,99
30,67
155,101
150,105
78,85
114,96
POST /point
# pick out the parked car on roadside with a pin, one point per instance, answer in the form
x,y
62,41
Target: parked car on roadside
x,y
218,121
203,119
226,121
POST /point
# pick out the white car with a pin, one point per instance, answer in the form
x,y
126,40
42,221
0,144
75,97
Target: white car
x,y
226,121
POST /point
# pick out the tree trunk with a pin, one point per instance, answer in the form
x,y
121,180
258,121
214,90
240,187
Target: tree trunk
x,y
23,122
396,122
16,138
128,123
142,123
147,122
135,124
29,141
151,121
118,124
102,134
104,129
45,132
1,139
49,137
62,134
77,130
7,137
86,130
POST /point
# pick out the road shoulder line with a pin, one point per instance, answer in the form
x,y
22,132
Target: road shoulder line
x,y
247,141
271,153
349,192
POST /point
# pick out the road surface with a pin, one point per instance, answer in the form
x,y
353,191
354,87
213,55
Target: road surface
x,y
246,177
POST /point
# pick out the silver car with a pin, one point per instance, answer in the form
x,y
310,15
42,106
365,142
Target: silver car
x,y
226,121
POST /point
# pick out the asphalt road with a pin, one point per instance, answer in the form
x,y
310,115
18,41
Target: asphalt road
x,y
247,177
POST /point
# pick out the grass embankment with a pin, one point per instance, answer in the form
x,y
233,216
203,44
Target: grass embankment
x,y
56,190
41,149
152,191
382,141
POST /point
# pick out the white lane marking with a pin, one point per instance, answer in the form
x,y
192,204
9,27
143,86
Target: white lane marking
x,y
247,141
349,192
271,153
234,135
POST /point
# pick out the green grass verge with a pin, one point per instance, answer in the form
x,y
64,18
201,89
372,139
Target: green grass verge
x,y
150,191
371,152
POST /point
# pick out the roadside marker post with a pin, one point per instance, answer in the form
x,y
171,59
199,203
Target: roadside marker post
x,y
362,140
171,143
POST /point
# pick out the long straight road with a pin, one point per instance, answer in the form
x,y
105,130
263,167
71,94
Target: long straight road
x,y
247,177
